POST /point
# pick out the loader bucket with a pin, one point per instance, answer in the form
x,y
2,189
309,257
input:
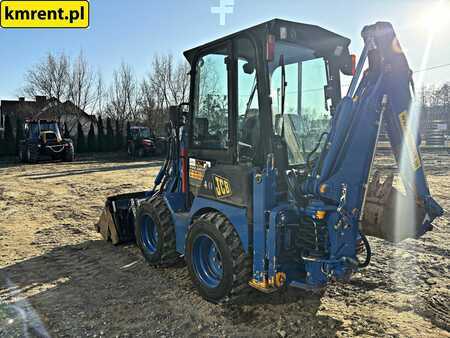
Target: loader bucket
x,y
391,215
116,222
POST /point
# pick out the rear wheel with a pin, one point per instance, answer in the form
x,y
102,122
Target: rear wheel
x,y
22,155
69,154
32,153
130,149
217,263
155,232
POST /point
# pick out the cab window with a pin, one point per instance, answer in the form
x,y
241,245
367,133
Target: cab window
x,y
210,120
298,101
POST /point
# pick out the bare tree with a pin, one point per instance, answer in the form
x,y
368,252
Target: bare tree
x,y
167,84
100,95
169,81
123,95
148,107
58,77
49,78
81,90
179,84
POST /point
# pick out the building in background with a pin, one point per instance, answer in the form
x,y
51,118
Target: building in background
x,y
66,113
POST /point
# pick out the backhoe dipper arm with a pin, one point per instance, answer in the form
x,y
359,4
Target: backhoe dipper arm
x,y
341,175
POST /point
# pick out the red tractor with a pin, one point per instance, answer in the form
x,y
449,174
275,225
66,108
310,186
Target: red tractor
x,y
141,142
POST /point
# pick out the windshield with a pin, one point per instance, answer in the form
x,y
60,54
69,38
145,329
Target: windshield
x,y
145,133
299,108
37,128
141,132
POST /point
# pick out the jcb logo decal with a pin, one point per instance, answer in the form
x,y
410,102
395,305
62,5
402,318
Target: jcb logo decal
x,y
222,187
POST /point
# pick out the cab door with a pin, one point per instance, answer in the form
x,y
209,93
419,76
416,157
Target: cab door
x,y
211,118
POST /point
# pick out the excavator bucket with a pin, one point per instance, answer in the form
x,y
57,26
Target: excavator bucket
x,y
391,215
116,223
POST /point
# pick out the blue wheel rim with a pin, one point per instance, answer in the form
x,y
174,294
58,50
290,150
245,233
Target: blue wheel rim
x,y
207,261
149,234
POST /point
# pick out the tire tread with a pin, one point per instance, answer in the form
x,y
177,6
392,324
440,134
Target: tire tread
x,y
168,255
242,267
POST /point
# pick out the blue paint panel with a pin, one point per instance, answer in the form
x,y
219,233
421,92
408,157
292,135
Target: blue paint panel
x,y
264,199
272,248
175,202
259,230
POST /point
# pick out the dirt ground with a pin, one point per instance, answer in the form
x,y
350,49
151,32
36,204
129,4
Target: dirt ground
x,y
58,278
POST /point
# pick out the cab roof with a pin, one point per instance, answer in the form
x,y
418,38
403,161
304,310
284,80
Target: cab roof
x,y
40,121
311,36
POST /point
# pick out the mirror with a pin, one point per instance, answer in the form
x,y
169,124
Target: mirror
x,y
249,67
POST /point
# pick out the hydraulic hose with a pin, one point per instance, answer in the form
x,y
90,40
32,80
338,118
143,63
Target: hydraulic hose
x,y
315,149
162,177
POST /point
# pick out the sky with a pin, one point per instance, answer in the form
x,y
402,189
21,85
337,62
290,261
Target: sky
x,y
135,30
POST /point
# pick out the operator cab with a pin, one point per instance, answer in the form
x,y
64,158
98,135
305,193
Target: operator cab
x,y
270,87
140,133
36,129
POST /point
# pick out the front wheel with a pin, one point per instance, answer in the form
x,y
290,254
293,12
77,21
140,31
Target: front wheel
x,y
217,263
155,232
32,153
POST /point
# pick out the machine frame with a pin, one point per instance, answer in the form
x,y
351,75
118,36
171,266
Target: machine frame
x,y
260,221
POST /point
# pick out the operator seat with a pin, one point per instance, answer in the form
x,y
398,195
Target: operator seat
x,y
250,128
250,133
201,126
202,135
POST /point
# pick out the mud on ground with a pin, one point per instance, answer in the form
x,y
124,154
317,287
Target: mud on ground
x,y
58,278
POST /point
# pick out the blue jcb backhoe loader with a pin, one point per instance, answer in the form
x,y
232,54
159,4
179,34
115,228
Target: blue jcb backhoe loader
x,y
266,182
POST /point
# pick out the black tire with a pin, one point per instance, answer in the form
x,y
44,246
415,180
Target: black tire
x,y
32,153
164,251
22,155
130,150
140,153
236,265
69,154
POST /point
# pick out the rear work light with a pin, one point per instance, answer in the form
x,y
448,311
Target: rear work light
x,y
353,64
